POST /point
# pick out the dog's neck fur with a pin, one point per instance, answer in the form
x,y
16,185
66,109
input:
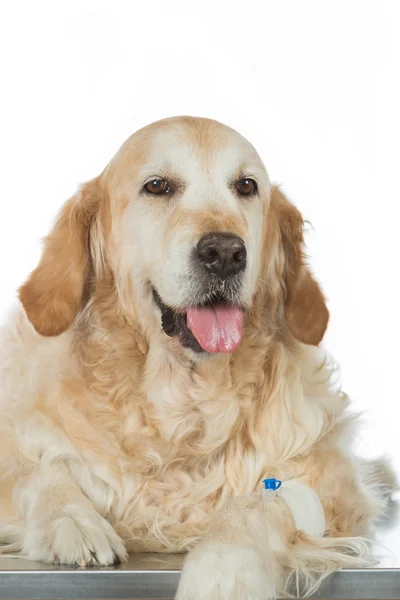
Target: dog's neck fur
x,y
200,403
119,339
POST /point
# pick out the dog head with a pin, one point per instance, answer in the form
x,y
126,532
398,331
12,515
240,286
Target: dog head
x,y
186,223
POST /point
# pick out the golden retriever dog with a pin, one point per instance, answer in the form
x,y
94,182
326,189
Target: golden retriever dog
x,y
162,362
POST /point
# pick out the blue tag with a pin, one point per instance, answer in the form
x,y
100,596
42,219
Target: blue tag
x,y
272,484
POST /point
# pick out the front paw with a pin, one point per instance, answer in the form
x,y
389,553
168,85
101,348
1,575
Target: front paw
x,y
221,571
75,536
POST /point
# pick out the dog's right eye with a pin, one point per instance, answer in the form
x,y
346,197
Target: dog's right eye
x,y
158,186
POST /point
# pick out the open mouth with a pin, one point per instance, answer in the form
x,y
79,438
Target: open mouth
x,y
213,327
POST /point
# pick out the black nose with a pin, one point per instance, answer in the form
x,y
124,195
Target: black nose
x,y
223,254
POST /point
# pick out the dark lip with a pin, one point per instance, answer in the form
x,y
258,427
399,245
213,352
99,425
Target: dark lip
x,y
174,322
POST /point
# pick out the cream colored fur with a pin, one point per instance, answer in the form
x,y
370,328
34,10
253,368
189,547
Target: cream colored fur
x,y
114,438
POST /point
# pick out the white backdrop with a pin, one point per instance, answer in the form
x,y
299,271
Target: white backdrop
x,y
314,85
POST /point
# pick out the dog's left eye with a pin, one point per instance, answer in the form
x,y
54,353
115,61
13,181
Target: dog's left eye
x,y
246,187
158,186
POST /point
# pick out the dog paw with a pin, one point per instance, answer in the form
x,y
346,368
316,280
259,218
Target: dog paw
x,y
216,571
76,536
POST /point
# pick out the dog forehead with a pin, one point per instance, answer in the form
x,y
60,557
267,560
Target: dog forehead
x,y
192,147
199,152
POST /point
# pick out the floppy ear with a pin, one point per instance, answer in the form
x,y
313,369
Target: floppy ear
x,y
306,312
52,295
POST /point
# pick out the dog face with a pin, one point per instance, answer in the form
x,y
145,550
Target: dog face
x,y
185,221
191,227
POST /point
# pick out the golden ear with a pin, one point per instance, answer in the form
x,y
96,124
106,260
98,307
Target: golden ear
x,y
52,295
306,312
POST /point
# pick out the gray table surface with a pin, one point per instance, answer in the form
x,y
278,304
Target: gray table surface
x,y
156,576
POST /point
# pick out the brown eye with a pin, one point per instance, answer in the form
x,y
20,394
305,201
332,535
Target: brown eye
x,y
246,187
157,186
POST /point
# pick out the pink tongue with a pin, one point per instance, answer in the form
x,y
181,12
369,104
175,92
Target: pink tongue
x,y
217,329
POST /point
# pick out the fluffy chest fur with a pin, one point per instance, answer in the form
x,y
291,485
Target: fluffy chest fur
x,y
158,442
